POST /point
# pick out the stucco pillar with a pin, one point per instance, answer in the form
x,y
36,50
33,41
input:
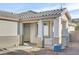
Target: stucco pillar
x,y
57,26
40,34
51,29
65,34
65,28
20,32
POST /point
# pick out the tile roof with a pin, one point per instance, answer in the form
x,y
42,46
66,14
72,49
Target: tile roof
x,y
31,15
41,15
8,15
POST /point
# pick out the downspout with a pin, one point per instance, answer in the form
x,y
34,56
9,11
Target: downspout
x,y
43,41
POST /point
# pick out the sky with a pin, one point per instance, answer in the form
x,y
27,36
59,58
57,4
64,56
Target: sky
x,y
73,8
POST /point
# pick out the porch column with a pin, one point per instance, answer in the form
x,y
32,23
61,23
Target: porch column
x,y
51,29
65,28
40,34
20,31
65,34
57,31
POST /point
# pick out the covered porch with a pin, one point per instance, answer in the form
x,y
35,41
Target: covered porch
x,y
46,32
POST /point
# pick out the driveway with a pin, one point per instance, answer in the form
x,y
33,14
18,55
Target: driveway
x,y
73,49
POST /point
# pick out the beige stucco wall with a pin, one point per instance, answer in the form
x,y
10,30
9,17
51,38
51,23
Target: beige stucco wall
x,y
8,41
33,30
64,17
74,36
48,42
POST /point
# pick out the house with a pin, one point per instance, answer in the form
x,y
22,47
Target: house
x,y
75,20
8,29
39,28
72,27
74,30
76,23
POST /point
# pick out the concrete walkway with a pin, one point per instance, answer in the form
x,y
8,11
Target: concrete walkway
x,y
73,49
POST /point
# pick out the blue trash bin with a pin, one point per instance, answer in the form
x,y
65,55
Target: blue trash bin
x,y
57,47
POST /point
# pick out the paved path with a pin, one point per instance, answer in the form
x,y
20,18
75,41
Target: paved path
x,y
73,49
